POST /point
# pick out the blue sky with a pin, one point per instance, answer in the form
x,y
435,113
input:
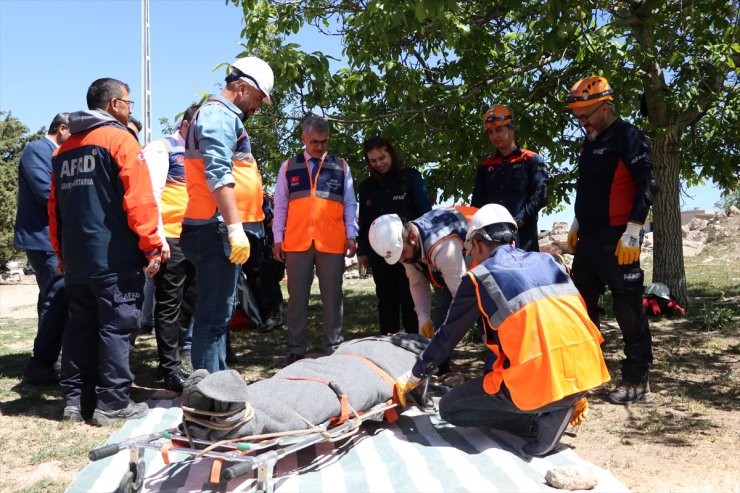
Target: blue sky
x,y
51,50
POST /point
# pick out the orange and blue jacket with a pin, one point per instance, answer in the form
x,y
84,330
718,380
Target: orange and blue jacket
x,y
102,212
614,179
174,198
519,183
315,205
535,322
218,153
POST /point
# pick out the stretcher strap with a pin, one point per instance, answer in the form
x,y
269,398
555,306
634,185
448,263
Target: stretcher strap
x,y
391,415
344,407
165,450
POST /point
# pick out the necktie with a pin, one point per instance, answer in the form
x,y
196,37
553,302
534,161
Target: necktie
x,y
314,167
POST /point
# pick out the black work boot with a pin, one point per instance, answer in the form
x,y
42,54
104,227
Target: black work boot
x,y
550,427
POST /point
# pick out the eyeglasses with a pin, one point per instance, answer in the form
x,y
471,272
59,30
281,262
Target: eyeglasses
x,y
585,118
322,143
128,102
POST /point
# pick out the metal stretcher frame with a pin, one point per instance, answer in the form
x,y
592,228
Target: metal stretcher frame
x,y
245,455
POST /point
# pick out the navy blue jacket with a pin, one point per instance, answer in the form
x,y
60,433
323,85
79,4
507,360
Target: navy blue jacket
x,y
519,183
404,194
34,184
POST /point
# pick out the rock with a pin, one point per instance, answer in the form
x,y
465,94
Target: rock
x,y
721,215
733,211
697,224
685,231
571,478
692,248
716,232
563,228
648,241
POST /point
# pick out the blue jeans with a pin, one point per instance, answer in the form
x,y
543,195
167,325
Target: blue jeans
x,y
51,306
207,247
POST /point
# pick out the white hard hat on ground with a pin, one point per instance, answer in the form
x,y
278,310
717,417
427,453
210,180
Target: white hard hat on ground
x,y
386,237
489,215
255,70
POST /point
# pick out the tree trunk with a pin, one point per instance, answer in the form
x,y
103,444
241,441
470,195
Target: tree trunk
x,y
668,266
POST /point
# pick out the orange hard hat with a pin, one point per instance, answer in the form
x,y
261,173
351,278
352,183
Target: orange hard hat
x,y
588,91
498,116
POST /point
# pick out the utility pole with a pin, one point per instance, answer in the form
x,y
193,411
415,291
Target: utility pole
x,y
146,80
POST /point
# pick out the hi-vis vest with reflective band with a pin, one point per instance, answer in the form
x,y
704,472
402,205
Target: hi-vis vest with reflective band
x,y
248,186
315,207
435,226
536,323
175,194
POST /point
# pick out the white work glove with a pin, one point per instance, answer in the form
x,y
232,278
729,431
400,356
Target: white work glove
x,y
405,384
239,243
628,248
427,329
573,236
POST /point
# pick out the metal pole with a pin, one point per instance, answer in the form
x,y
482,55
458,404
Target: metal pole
x,y
146,80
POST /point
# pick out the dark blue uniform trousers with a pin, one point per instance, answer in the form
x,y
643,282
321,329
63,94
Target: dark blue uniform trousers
x,y
51,306
100,333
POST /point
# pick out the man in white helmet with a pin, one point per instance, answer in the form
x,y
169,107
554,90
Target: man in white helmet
x,y
224,203
431,250
548,352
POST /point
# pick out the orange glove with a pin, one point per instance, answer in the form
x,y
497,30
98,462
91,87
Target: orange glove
x,y
628,248
580,414
573,236
427,329
405,384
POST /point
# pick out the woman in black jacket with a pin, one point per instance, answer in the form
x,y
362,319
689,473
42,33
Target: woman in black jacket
x,y
392,188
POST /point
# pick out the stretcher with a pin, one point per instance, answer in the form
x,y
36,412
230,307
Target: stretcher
x,y
233,458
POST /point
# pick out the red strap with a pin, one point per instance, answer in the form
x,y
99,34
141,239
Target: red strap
x,y
390,415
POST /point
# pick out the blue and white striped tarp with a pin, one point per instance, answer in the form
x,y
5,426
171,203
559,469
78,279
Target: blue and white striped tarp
x,y
418,453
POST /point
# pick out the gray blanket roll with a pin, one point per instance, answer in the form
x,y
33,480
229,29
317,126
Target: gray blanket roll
x,y
278,400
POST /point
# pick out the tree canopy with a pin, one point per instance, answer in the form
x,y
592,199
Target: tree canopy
x,y
423,72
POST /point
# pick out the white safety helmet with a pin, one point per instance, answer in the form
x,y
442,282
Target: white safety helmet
x,y
386,237
483,221
255,70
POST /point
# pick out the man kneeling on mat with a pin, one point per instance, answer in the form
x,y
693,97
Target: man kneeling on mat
x,y
548,350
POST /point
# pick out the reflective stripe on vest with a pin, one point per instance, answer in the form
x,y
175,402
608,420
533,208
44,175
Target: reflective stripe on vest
x,y
315,207
435,226
547,346
174,198
248,186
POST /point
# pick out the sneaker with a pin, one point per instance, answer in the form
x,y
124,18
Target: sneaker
x,y
40,373
292,358
628,392
550,427
72,413
132,411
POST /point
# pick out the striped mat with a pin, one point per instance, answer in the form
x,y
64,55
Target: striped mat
x,y
418,453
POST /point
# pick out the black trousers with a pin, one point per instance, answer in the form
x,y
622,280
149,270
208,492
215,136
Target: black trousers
x,y
394,297
594,267
175,293
268,295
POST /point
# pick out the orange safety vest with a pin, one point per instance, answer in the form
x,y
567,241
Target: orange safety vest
x,y
248,186
536,323
315,206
